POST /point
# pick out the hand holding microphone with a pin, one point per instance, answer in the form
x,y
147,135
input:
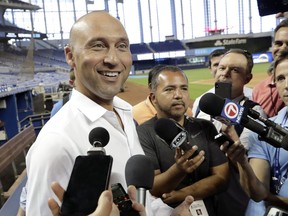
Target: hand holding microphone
x,y
139,171
187,158
90,176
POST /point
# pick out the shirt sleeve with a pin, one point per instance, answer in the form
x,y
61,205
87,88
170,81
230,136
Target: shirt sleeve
x,y
148,141
256,147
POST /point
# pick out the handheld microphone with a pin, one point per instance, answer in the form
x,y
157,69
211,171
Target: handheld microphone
x,y
236,114
139,171
172,133
221,109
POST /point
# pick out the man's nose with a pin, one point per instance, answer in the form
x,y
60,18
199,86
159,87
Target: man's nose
x,y
178,93
111,57
226,72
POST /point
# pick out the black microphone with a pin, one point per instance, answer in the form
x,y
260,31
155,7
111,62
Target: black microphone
x,y
139,171
172,133
234,113
89,178
98,138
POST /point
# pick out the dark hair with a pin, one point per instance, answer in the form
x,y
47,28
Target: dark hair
x,y
215,53
283,23
154,71
283,56
154,79
247,55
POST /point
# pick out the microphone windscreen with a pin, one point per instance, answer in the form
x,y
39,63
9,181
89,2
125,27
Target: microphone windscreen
x,y
139,171
211,104
166,129
99,134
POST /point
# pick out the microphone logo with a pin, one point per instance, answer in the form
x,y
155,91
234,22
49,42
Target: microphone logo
x,y
231,110
179,139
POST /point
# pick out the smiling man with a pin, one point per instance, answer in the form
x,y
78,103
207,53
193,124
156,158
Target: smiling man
x,y
99,53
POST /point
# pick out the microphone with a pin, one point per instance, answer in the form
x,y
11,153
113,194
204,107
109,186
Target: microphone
x,y
139,171
98,138
234,113
89,178
172,133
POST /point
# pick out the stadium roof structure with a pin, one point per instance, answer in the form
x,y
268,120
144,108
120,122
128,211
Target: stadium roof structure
x,y
16,4
13,32
9,31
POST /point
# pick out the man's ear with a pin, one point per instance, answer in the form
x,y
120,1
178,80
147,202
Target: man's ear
x,y
248,78
69,56
152,98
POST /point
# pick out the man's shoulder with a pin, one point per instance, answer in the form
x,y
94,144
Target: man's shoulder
x,y
139,105
203,122
247,92
122,104
148,124
263,84
195,106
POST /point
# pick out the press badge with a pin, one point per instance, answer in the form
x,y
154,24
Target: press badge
x,y
197,208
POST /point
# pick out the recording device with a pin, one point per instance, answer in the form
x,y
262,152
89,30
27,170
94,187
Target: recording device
x,y
122,201
139,171
221,138
89,178
223,89
275,211
268,7
234,113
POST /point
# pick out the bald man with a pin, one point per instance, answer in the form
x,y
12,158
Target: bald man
x,y
99,53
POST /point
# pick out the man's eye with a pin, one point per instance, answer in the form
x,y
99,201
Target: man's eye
x,y
123,46
278,43
221,68
280,78
98,45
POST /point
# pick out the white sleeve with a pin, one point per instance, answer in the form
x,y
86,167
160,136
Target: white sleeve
x,y
195,106
47,161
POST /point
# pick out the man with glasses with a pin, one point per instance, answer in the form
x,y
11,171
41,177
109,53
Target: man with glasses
x,y
235,67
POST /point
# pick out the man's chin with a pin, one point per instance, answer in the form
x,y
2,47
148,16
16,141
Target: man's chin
x,y
177,116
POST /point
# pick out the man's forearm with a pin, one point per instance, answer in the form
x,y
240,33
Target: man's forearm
x,y
167,181
255,189
277,201
206,187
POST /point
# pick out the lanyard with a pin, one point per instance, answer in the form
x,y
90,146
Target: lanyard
x,y
277,179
